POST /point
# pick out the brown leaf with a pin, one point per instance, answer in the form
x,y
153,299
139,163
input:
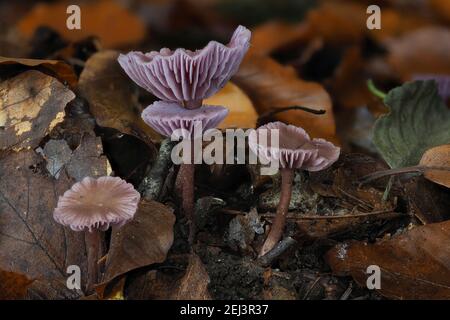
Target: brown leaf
x,y
143,241
13,285
437,157
424,51
194,284
242,113
274,35
31,242
414,265
114,25
56,68
31,104
112,96
271,85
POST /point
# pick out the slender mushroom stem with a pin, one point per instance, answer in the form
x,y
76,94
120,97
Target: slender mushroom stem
x,y
276,231
187,171
93,241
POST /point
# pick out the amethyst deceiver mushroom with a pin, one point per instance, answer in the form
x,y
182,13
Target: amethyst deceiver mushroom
x,y
184,76
93,205
295,150
168,117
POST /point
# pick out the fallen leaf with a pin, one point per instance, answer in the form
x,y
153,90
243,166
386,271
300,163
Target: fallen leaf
x,y
55,68
143,241
13,285
418,120
31,105
271,85
31,242
57,153
437,157
275,35
115,26
194,284
88,160
423,51
427,201
112,96
242,113
414,265
441,8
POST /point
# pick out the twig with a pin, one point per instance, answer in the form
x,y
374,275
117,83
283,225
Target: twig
x,y
280,248
386,173
275,111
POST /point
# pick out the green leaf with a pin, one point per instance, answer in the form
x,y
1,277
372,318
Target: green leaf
x,y
418,120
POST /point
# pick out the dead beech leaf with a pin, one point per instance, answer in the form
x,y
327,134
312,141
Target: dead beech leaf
x,y
441,8
56,68
143,241
242,113
271,85
414,265
31,242
274,35
115,26
437,157
112,96
194,284
31,105
423,51
13,285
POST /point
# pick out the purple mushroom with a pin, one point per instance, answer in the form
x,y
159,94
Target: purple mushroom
x,y
295,150
184,76
93,205
169,117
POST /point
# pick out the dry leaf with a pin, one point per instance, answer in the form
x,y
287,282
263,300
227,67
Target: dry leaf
x,y
114,25
271,85
31,105
31,242
414,265
274,35
13,285
112,96
437,157
194,284
143,241
424,51
56,68
242,113
441,8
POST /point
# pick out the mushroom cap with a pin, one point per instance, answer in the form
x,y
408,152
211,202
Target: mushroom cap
x,y
166,117
183,75
97,204
295,149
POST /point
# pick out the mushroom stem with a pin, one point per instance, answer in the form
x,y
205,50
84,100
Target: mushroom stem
x,y
187,171
276,231
93,241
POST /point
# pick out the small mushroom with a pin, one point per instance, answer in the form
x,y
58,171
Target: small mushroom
x,y
184,76
167,117
295,150
93,205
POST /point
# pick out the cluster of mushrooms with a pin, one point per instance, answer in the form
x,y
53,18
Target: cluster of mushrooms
x,y
182,79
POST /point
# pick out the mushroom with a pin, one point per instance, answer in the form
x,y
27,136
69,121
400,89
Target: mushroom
x,y
93,205
167,118
295,150
184,76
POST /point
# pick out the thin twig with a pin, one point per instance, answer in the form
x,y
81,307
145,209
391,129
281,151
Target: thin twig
x,y
275,111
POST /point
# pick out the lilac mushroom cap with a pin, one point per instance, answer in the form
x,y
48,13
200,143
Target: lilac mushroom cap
x,y
296,150
97,204
167,117
184,76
